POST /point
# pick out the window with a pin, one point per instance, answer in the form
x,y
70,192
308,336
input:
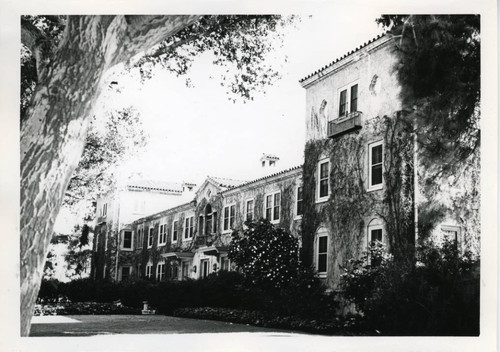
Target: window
x,y
200,225
104,209
229,214
322,255
162,236
127,240
214,226
348,100
140,237
299,210
125,273
272,162
210,220
323,185
160,271
375,233
150,237
272,207
249,210
174,231
451,234
189,228
149,270
375,167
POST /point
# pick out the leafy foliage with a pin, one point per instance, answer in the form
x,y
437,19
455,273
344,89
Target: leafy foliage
x,y
112,139
439,296
49,29
267,255
439,72
239,42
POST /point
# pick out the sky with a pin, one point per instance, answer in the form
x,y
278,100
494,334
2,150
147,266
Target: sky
x,y
195,132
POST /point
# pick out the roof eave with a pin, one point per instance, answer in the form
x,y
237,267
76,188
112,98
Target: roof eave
x,y
347,59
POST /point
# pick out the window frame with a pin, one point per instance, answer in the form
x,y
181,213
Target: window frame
x,y
378,186
348,104
451,228
129,267
149,270
297,215
253,209
162,234
272,207
175,230
188,231
319,236
151,236
319,198
122,246
140,236
230,224
161,274
374,227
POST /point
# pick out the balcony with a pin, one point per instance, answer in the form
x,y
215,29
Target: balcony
x,y
204,240
341,126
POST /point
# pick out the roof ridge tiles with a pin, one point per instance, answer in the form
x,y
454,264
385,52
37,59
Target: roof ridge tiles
x,y
264,177
344,56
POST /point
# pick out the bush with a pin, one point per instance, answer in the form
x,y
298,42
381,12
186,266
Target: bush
x,y
304,297
49,291
262,318
266,255
438,296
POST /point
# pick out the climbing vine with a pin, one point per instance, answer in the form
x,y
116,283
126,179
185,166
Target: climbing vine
x,y
349,206
399,187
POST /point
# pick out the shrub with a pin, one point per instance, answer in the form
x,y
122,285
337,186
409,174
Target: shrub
x,y
266,255
49,291
438,296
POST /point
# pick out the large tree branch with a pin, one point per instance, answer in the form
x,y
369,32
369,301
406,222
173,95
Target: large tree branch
x,y
32,38
53,136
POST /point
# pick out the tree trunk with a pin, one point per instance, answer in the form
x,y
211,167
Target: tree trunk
x,y
52,138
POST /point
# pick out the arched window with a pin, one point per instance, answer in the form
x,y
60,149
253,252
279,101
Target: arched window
x,y
208,219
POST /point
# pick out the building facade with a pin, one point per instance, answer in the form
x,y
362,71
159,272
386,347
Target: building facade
x,y
192,239
358,184
132,200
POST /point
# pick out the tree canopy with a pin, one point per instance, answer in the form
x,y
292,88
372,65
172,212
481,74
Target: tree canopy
x,y
65,75
439,72
239,42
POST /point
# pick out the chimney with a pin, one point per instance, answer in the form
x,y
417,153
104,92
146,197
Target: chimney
x,y
268,161
188,186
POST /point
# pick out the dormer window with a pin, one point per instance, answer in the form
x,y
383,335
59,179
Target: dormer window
x,y
348,99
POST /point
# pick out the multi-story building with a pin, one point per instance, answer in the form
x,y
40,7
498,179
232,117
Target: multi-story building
x,y
361,171
358,184
129,201
192,239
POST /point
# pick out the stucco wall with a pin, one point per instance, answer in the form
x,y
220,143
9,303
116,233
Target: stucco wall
x,y
378,90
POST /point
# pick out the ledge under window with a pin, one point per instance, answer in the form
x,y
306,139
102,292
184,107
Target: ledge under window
x,y
341,126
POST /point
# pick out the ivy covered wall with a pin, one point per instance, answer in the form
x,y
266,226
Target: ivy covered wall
x,y
285,182
351,206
